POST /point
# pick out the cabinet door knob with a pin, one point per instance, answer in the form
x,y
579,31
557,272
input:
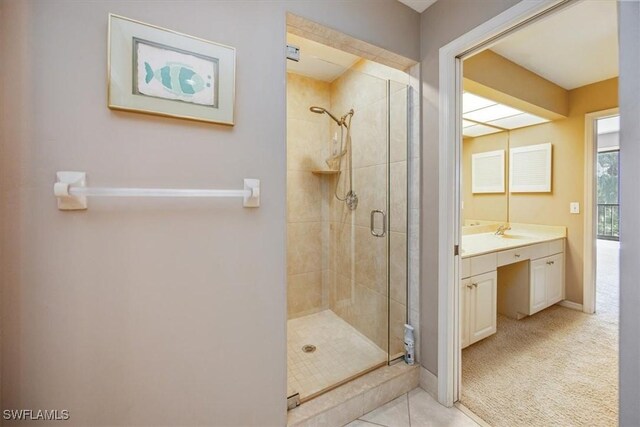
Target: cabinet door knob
x,y
475,285
470,286
516,255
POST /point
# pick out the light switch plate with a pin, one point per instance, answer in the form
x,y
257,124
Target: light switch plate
x,y
574,207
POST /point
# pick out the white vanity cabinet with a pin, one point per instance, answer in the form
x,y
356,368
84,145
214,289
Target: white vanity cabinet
x,y
537,286
546,282
530,277
478,299
532,281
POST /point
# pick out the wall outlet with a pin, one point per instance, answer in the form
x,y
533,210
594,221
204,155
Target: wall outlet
x,y
574,207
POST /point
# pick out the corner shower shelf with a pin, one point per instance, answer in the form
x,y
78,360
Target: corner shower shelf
x,y
325,172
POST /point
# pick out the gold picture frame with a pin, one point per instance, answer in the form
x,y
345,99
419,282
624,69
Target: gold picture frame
x,y
153,70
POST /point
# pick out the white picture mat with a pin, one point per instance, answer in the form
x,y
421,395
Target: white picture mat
x,y
488,172
120,72
530,169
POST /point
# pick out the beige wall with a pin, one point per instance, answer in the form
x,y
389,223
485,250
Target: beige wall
x,y
148,312
307,246
567,137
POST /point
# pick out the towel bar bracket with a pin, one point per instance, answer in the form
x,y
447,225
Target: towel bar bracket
x,y
65,180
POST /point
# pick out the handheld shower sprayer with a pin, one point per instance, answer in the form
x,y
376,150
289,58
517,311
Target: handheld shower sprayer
x,y
341,122
351,199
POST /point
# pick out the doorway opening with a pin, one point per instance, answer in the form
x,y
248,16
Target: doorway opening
x,y
511,294
607,217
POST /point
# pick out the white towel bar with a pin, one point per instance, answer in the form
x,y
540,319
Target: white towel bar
x,y
72,191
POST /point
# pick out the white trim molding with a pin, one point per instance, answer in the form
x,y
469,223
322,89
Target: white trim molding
x,y
590,210
450,120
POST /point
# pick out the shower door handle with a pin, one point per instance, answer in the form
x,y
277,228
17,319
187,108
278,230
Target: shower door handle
x,y
384,223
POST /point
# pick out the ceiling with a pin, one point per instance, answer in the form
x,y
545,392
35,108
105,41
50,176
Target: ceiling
x,y
319,61
572,48
418,5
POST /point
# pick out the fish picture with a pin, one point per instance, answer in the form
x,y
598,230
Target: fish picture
x,y
168,73
177,78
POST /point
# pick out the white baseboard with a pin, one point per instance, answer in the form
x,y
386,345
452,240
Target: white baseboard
x,y
428,382
570,304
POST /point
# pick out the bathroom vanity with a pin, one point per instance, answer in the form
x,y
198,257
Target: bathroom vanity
x,y
516,274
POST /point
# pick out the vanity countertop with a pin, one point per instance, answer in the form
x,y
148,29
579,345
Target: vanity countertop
x,y
483,242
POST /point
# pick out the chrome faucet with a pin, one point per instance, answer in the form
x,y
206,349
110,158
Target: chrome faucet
x,y
501,229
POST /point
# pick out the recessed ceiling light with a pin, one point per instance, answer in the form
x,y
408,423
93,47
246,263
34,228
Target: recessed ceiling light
x,y
471,102
518,121
479,130
479,111
494,112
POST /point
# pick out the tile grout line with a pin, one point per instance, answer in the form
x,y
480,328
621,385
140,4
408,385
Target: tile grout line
x,y
371,422
409,409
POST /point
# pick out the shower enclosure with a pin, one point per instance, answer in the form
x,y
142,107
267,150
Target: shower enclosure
x,y
347,224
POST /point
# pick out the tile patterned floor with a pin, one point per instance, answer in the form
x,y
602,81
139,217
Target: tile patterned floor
x,y
341,352
414,409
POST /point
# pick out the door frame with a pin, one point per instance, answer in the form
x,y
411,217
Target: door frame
x,y
589,273
449,149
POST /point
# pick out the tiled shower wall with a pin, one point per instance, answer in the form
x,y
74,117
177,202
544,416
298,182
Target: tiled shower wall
x,y
307,245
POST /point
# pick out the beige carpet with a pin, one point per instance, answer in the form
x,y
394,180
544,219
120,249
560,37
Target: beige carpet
x,y
556,368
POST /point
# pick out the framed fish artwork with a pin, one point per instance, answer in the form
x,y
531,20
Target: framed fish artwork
x,y
158,71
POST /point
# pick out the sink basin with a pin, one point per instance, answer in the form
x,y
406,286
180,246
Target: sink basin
x,y
514,236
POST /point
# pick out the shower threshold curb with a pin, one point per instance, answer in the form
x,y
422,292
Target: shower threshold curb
x,y
350,401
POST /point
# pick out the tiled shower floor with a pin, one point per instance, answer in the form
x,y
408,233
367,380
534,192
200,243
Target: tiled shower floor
x,y
341,353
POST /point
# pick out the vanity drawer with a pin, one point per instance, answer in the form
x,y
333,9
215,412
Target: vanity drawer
x,y
556,247
482,264
513,255
539,250
465,267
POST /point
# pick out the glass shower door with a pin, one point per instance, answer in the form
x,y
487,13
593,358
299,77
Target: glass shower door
x,y
360,292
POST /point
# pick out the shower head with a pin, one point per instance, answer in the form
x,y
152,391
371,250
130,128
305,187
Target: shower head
x,y
320,110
